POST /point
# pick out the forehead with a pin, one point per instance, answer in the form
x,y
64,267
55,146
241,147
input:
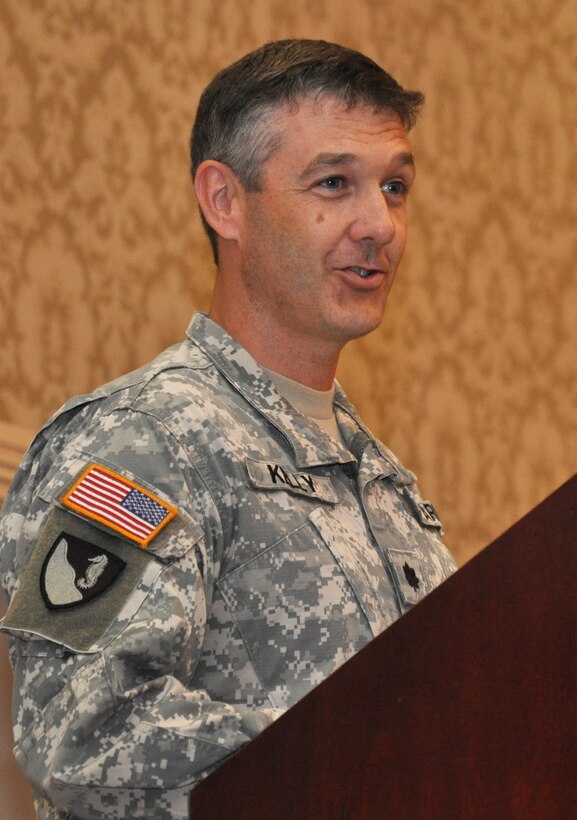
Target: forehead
x,y
326,125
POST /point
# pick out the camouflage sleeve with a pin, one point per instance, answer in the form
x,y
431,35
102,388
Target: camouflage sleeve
x,y
106,635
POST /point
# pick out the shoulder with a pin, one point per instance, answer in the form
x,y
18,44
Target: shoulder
x,y
122,423
123,391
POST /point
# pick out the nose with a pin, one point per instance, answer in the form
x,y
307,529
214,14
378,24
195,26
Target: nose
x,y
375,219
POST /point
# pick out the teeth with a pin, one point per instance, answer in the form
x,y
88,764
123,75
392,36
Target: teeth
x,y
364,272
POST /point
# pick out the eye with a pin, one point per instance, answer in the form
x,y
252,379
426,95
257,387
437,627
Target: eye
x,y
396,187
335,183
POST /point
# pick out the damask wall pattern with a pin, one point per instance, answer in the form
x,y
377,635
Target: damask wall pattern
x,y
471,379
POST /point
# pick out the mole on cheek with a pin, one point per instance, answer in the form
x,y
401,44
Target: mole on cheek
x,y
320,217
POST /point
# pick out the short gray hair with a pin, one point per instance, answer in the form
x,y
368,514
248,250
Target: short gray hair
x,y
232,124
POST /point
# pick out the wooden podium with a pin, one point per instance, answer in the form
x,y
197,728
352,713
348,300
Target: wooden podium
x,y
464,708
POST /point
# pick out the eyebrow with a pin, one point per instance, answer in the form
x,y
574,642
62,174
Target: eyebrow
x,y
329,160
326,160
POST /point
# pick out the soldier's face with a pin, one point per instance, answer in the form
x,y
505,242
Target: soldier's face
x,y
321,242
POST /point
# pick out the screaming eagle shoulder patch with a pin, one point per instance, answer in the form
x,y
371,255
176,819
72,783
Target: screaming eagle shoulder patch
x,y
119,503
76,571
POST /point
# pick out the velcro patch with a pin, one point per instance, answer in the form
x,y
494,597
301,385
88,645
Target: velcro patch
x,y
76,571
270,476
428,515
424,511
119,503
43,605
408,576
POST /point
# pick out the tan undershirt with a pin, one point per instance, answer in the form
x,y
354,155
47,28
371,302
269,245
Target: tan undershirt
x,y
317,405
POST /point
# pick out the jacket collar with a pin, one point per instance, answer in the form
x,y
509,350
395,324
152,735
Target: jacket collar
x,y
311,446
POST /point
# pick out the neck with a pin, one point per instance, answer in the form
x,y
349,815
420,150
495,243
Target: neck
x,y
308,361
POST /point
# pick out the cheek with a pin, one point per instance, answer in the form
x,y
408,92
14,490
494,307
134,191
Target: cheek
x,y
401,234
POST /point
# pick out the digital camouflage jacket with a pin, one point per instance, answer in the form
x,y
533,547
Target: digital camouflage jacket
x,y
186,556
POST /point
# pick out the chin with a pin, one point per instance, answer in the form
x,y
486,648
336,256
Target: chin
x,y
354,330
357,325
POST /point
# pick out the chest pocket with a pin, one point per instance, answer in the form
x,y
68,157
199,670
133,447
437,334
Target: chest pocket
x,y
296,612
409,540
362,564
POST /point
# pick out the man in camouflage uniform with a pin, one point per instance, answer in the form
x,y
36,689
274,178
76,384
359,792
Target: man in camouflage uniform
x,y
191,548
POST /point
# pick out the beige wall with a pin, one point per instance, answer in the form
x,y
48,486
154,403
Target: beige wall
x,y
471,380
472,377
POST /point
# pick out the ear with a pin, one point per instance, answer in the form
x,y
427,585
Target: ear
x,y
219,192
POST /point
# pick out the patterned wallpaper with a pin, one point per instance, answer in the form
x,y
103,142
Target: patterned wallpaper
x,y
471,379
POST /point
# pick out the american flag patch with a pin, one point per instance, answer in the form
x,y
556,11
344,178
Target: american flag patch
x,y
119,503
